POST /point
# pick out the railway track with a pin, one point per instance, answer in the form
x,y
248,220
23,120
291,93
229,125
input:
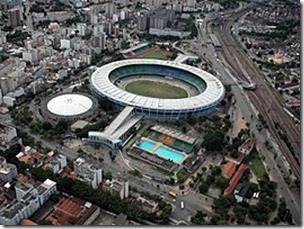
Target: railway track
x,y
263,98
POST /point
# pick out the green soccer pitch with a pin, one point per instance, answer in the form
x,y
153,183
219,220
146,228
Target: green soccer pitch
x,y
155,55
156,89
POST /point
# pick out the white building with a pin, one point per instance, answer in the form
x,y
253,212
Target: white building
x,y
246,147
57,163
118,187
88,173
7,133
97,29
148,206
81,27
28,200
65,44
7,171
61,74
30,56
191,3
1,97
19,92
7,84
74,63
94,19
9,99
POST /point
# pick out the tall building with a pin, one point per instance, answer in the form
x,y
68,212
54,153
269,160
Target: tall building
x,y
97,29
7,84
118,187
7,133
88,173
160,18
142,22
110,9
1,97
191,3
30,56
14,17
99,42
7,171
56,164
81,27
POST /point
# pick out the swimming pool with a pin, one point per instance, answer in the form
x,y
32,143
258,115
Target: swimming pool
x,y
146,145
167,153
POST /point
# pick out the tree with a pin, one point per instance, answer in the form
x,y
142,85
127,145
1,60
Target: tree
x,y
203,188
199,218
104,104
221,182
11,152
235,154
216,171
44,222
107,176
213,140
73,220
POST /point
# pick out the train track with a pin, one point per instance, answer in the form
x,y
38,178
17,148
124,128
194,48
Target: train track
x,y
263,98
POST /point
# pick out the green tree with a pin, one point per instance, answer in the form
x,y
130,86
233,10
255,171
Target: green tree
x,y
221,182
199,218
203,188
213,140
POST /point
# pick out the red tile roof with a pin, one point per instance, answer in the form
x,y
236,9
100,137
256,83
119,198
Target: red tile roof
x,y
70,207
237,160
229,169
247,144
27,222
235,179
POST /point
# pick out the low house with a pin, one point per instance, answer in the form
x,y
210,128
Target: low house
x,y
241,191
148,206
246,147
229,169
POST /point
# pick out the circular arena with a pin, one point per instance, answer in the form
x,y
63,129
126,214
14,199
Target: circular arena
x,y
70,106
157,88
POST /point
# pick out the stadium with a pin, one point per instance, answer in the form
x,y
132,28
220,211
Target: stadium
x,y
69,107
156,88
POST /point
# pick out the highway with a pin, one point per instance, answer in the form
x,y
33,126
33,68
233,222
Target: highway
x,y
224,72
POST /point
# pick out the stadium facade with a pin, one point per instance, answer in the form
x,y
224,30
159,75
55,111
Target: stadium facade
x,y
211,90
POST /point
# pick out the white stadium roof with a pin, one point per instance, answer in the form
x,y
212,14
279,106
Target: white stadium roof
x,y
214,88
69,104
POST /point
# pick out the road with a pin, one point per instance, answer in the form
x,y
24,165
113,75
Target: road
x,y
250,114
193,202
266,99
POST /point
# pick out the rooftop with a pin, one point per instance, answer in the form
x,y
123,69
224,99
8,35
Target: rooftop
x,y
247,144
235,179
69,104
173,133
229,169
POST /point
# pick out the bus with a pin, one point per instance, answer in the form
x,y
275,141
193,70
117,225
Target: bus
x,y
173,194
182,205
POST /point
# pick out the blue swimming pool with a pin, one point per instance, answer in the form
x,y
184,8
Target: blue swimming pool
x,y
146,145
167,153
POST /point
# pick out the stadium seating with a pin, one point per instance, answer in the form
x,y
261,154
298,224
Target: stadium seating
x,y
160,71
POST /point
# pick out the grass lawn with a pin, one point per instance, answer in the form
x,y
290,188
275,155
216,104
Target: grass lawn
x,y
155,55
156,89
256,166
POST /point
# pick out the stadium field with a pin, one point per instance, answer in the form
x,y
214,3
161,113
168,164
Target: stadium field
x,y
156,89
155,55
